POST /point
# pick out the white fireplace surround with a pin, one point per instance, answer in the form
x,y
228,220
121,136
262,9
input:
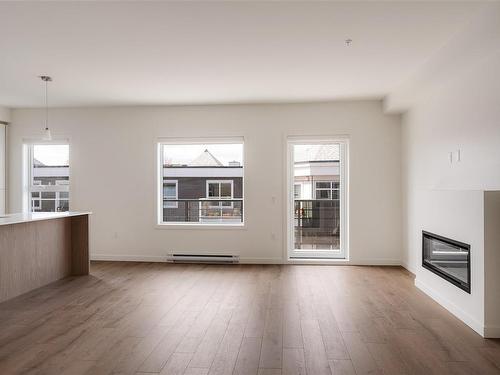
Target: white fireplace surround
x,y
472,217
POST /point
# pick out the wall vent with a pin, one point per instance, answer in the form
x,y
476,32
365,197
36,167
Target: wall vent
x,y
203,258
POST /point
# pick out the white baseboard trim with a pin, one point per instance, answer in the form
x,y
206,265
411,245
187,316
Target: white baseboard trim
x,y
375,262
251,260
128,258
344,262
492,332
408,268
159,258
451,307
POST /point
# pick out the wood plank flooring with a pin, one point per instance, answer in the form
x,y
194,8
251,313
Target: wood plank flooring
x,y
156,318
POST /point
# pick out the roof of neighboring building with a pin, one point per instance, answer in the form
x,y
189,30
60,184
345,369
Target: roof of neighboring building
x,y
206,159
317,153
37,163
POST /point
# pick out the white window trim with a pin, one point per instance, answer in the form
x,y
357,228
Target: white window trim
x,y
32,187
208,182
175,204
331,189
38,200
292,255
160,142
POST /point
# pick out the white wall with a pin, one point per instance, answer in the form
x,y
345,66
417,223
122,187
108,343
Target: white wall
x,y
113,174
4,117
4,114
462,112
492,263
453,106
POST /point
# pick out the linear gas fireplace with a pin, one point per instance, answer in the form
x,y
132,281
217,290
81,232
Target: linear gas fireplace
x,y
447,258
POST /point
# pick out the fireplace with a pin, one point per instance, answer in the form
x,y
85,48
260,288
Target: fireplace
x,y
447,258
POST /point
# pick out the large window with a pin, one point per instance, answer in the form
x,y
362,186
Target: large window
x,y
48,175
200,182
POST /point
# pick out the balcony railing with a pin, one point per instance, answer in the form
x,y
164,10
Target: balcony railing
x,y
317,224
204,210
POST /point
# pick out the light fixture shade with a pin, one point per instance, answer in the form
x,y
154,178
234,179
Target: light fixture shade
x,y
47,136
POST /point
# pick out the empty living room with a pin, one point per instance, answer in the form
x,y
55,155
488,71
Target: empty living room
x,y
249,187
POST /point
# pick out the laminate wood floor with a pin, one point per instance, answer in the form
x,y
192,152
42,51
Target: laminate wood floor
x,y
143,318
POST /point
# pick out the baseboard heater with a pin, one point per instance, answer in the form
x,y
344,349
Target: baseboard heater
x,y
203,258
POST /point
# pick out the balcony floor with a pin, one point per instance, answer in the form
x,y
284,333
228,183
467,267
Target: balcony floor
x,y
312,239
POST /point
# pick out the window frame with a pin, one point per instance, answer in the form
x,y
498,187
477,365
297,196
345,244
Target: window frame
x,y
31,187
291,254
295,184
220,182
175,204
331,189
58,198
160,142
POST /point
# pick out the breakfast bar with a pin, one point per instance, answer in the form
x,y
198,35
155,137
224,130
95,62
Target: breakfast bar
x,y
39,248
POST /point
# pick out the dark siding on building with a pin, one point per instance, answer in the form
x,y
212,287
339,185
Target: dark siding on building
x,y
196,187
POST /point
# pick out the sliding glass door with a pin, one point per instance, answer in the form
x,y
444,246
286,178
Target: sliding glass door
x,y
317,203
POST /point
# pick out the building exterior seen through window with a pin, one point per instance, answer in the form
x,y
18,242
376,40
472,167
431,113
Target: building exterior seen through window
x,y
201,183
49,177
316,188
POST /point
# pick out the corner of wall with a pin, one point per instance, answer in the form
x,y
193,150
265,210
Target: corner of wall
x,y
5,114
492,263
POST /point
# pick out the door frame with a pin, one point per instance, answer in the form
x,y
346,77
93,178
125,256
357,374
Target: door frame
x,y
291,253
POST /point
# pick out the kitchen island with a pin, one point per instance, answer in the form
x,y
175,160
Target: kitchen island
x,y
39,248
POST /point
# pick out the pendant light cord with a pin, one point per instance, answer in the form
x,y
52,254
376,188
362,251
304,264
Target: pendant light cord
x,y
46,104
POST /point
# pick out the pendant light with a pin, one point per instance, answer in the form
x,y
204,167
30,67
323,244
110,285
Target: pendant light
x,y
47,136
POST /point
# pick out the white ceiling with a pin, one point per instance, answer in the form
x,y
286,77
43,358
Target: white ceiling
x,y
132,53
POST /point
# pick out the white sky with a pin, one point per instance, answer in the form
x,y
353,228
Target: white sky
x,y
183,154
176,154
52,154
301,152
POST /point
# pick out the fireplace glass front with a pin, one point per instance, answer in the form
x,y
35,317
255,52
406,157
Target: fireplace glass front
x,y
447,258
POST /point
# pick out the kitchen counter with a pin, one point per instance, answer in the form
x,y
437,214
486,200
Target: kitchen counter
x,y
39,248
36,216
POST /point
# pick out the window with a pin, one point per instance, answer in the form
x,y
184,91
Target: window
x,y
200,182
36,198
62,196
327,189
317,221
220,190
170,193
297,191
48,170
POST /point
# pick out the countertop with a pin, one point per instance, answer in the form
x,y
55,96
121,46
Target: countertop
x,y
37,216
